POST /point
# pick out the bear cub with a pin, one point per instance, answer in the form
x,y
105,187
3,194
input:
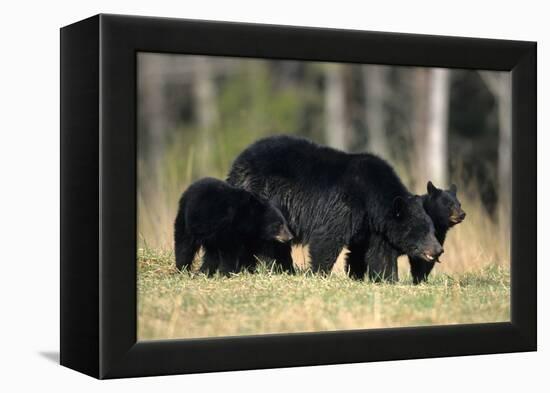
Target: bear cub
x,y
445,210
229,223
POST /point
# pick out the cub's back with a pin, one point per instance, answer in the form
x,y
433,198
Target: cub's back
x,y
211,200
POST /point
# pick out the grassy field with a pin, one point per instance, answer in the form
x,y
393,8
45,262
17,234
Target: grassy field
x,y
182,305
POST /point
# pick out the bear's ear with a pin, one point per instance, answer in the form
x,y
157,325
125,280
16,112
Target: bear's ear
x,y
257,203
399,207
433,190
453,189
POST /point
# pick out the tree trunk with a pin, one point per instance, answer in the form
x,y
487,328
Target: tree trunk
x,y
205,96
500,86
419,127
430,120
505,147
206,112
335,110
375,85
438,115
153,107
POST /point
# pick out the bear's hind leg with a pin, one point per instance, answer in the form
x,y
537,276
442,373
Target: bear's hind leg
x,y
323,253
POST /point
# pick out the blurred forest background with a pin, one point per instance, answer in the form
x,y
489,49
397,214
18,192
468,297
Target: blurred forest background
x,y
197,113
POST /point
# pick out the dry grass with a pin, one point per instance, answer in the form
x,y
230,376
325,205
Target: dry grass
x,y
182,305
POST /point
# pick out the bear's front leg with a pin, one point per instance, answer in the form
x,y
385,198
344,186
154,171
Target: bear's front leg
x,y
247,261
229,262
210,261
278,253
381,260
282,254
420,269
356,265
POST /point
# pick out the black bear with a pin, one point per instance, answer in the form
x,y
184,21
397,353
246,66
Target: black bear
x,y
228,222
445,210
332,199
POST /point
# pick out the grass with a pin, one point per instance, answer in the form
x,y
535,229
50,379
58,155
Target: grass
x,y
183,305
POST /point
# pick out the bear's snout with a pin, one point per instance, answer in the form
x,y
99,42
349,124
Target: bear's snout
x,y
458,217
432,255
284,235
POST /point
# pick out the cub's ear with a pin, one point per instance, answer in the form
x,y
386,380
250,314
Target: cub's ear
x,y
453,189
251,202
399,207
433,190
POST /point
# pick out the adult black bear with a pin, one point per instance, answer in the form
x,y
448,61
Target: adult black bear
x,y
228,222
445,210
332,199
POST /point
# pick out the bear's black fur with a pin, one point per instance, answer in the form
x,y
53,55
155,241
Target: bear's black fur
x,y
228,222
445,210
332,199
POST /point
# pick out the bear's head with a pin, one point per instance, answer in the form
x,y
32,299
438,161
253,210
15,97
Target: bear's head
x,y
411,230
443,206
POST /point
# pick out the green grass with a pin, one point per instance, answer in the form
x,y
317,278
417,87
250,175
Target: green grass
x,y
183,305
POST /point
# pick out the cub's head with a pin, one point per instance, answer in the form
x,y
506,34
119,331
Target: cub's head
x,y
270,222
443,206
274,225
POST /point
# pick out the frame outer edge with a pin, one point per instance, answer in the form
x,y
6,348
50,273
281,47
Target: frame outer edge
x,y
121,356
524,197
79,281
118,170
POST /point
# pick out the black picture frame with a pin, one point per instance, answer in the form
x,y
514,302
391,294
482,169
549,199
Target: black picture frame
x,y
98,196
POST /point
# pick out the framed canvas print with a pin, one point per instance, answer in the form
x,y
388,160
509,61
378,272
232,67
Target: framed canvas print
x,y
240,196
